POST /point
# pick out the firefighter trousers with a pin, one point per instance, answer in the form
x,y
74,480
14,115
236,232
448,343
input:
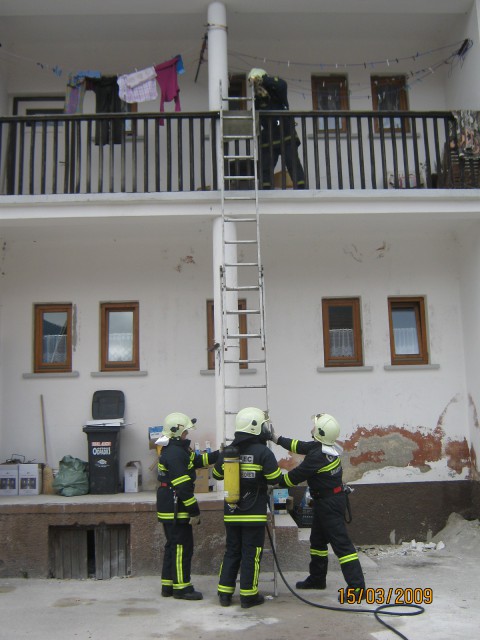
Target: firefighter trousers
x,y
329,527
244,548
177,557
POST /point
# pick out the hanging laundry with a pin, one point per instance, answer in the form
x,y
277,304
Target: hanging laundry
x,y
167,80
107,100
75,91
140,86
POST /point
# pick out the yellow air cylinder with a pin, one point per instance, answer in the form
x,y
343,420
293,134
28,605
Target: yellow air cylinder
x,y
231,474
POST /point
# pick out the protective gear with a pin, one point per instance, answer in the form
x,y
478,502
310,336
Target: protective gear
x,y
231,471
256,74
310,583
176,423
250,420
194,520
268,432
325,428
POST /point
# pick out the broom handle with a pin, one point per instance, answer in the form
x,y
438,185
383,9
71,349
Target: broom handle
x,y
43,429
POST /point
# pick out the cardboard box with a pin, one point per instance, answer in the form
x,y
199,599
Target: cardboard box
x,y
8,479
30,479
133,476
202,481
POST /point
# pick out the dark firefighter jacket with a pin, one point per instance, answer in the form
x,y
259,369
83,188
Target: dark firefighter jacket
x,y
275,100
322,471
258,468
176,475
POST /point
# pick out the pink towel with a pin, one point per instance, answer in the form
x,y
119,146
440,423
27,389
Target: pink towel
x,y
167,81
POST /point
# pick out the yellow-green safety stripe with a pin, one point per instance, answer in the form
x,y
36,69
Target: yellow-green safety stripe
x,y
245,518
349,558
319,552
170,516
330,466
176,481
275,474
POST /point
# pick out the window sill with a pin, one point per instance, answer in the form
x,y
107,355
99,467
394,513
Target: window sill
x,y
51,374
342,369
411,367
211,372
117,374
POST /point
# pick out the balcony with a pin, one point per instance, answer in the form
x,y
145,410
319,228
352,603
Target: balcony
x,y
178,152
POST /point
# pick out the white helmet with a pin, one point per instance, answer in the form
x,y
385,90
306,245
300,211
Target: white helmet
x,y
255,74
176,423
250,420
325,428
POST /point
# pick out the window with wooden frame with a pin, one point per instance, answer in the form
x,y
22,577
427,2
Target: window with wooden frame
x,y
52,338
330,93
119,336
408,330
242,305
342,332
389,93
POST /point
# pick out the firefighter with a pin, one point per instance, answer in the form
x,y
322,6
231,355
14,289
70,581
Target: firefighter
x,y
322,469
177,507
245,521
277,135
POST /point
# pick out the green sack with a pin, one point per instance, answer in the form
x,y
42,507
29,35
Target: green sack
x,y
72,477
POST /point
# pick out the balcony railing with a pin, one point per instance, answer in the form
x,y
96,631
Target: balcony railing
x,y
178,152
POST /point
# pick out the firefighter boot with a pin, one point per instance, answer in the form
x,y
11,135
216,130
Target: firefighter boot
x,y
225,599
251,601
188,594
167,592
311,583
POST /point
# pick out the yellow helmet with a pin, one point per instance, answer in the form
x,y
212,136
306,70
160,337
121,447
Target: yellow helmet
x,y
250,420
256,73
176,423
325,428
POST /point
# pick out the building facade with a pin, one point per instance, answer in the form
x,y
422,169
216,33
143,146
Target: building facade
x,y
108,249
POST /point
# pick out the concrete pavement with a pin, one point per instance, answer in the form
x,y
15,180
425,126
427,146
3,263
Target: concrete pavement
x,y
131,608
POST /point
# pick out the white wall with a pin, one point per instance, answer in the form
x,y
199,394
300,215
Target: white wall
x,y
305,258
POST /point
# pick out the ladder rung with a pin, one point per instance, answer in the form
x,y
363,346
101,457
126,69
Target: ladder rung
x,y
238,177
241,241
239,117
239,219
246,136
244,288
244,361
246,157
235,98
241,264
241,336
247,197
245,386
243,312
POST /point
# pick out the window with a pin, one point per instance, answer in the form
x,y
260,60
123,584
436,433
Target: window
x,y
389,93
242,304
342,332
408,335
119,336
330,93
53,338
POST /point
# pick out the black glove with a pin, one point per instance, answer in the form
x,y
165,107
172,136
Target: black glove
x,y
268,432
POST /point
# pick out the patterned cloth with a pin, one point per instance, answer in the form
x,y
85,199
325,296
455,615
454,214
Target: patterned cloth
x,y
466,132
140,86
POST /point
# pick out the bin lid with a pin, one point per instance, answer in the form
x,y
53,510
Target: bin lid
x,y
108,404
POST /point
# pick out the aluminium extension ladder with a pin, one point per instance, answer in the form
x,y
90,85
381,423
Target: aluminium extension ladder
x,y
241,262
